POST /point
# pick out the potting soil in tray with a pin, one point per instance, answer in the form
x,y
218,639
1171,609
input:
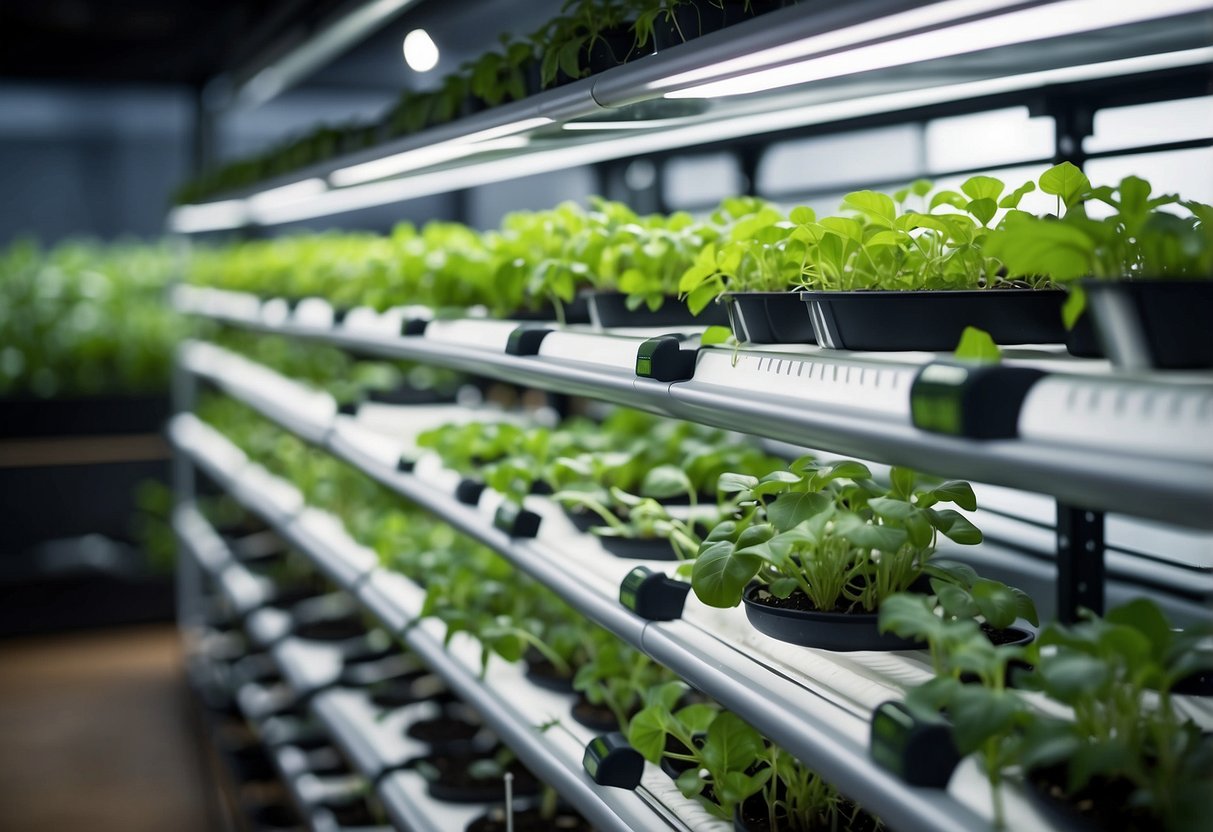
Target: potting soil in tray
x,y
443,730
453,778
541,672
595,717
530,820
752,816
1102,804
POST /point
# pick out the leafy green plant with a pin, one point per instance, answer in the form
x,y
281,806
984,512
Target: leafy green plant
x,y
828,533
85,319
726,763
500,76
1142,236
960,606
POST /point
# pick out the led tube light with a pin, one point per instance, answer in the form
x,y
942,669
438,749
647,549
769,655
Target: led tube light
x,y
1051,20
501,137
287,194
209,216
634,144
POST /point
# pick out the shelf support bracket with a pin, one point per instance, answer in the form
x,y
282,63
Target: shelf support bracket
x,y
1080,561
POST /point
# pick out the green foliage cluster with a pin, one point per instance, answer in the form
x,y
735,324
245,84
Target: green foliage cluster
x,y
533,258
831,533
624,470
473,590
556,53
1114,719
85,318
726,763
341,375
1106,232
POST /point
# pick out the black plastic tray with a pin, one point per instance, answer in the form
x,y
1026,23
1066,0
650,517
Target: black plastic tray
x,y
610,309
1163,324
934,320
769,318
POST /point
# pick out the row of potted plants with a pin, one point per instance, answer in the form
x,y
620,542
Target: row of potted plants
x,y
464,760
1110,747
825,541
587,37
902,271
713,755
84,318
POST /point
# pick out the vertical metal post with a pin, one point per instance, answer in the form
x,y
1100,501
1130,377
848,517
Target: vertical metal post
x,y
1080,561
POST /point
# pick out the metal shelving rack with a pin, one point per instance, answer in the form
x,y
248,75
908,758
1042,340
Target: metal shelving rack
x,y
781,692
851,61
1152,459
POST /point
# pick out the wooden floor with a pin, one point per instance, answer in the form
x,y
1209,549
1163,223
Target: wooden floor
x,y
94,734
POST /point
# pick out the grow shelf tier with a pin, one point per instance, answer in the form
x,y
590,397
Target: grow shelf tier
x,y
513,707
816,704
847,60
1137,443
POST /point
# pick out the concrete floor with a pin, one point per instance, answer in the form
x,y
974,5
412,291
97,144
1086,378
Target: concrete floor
x,y
94,734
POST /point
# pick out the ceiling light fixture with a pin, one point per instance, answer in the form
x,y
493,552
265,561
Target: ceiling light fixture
x,y
420,51
1050,20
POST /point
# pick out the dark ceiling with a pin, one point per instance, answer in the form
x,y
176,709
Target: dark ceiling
x,y
183,42
148,41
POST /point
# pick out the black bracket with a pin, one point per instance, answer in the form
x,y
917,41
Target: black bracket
x,y
973,400
1080,561
515,520
468,491
610,761
525,340
652,595
663,359
918,749
406,463
414,326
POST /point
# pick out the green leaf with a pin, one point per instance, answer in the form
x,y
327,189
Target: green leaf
x,y
983,209
1147,618
1065,181
902,480
982,187
956,200
955,526
877,207
865,535
955,601
1013,199
909,615
979,713
714,335
977,346
721,572
666,481
1070,677
730,483
997,603
646,733
792,509
689,782
1075,305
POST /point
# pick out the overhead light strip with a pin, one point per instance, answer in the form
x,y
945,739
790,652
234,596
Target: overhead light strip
x,y
502,137
1052,20
559,158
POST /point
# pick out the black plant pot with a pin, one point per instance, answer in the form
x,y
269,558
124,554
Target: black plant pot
x,y
673,768
610,309
769,318
934,320
575,312
542,673
450,733
454,783
639,548
1107,802
1081,340
595,717
842,632
529,820
1161,324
